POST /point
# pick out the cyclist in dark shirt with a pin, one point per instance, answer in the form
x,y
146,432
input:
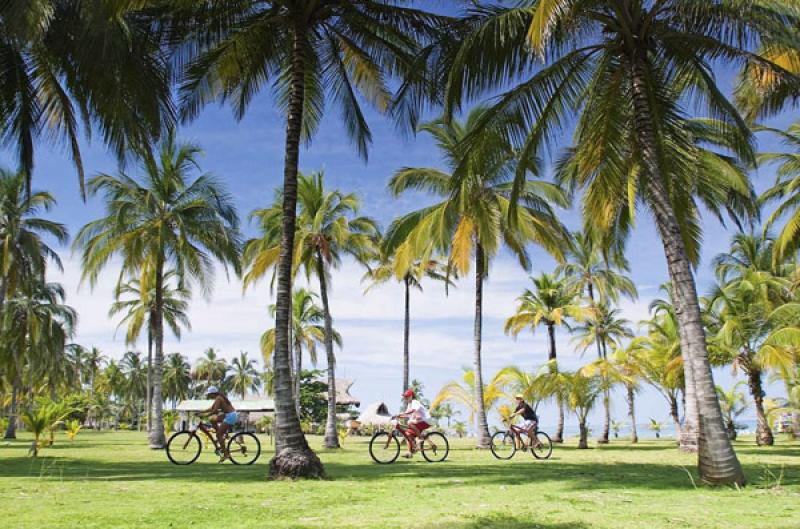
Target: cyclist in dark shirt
x,y
529,420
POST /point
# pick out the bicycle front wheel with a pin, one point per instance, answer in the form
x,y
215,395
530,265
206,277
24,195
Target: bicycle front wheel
x,y
503,445
183,448
542,446
244,448
384,448
435,447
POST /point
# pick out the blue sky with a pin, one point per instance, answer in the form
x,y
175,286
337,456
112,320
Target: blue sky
x,y
248,157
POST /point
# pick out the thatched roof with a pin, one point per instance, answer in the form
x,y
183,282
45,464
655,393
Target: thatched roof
x,y
343,396
376,414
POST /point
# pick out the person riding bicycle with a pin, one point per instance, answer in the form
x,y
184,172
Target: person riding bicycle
x,y
529,420
223,416
417,420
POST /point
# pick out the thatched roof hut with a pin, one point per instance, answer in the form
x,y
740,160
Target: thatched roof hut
x,y
376,414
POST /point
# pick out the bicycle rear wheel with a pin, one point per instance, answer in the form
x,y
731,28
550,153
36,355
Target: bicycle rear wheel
x,y
435,447
183,448
542,446
384,448
503,445
244,448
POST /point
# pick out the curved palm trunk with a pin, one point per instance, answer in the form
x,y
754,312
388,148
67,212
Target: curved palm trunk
x,y
717,460
481,424
590,287
157,437
763,431
406,335
673,413
583,441
298,366
632,413
331,435
293,458
687,435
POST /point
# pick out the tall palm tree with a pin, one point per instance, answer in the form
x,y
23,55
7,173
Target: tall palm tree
x,y
211,368
36,326
381,268
243,375
23,252
177,378
308,330
787,191
135,383
100,64
629,70
309,51
94,363
472,220
162,221
550,303
138,312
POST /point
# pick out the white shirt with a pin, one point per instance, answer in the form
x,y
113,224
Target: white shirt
x,y
417,411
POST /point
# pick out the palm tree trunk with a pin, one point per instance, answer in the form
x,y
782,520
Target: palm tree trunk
x,y
559,436
331,435
552,355
717,461
763,431
583,441
11,429
481,426
406,334
597,340
603,439
298,367
632,413
157,436
293,458
551,340
149,396
687,438
673,412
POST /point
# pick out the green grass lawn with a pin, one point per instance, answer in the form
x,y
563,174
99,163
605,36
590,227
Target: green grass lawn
x,y
114,480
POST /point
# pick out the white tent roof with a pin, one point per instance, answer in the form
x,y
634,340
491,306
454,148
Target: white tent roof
x,y
375,414
240,405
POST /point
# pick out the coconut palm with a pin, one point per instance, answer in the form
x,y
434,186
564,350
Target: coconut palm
x,y
66,64
177,378
135,383
733,404
661,361
582,394
23,252
628,361
162,221
243,375
309,52
36,327
138,312
463,393
307,331
473,218
211,368
551,302
629,70
381,268
786,191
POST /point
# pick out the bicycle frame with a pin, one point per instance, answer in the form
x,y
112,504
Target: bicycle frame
x,y
404,431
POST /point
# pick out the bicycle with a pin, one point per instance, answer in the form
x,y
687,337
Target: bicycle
x,y
504,442
184,447
384,447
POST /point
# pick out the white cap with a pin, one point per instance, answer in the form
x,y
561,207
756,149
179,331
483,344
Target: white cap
x,y
211,390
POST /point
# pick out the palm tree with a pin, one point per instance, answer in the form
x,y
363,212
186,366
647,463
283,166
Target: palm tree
x,y
472,220
629,70
135,383
23,252
312,49
162,221
177,378
733,404
786,190
550,303
582,393
36,327
605,329
211,368
72,63
628,361
463,393
662,362
383,268
307,331
243,375
138,312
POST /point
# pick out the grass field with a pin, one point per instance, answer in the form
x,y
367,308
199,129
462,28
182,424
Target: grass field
x,y
114,480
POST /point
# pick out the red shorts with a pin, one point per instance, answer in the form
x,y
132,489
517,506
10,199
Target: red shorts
x,y
420,426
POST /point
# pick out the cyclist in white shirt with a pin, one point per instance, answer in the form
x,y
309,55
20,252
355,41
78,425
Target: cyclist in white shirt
x,y
417,420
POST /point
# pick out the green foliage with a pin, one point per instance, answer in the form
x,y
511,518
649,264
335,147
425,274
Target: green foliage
x,y
171,418
313,404
72,427
43,417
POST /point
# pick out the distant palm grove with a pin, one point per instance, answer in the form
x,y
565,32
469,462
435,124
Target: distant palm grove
x,y
497,86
